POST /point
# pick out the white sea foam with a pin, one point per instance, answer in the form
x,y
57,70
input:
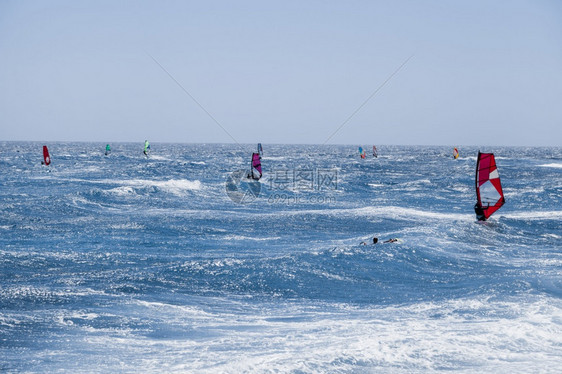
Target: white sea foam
x,y
173,186
158,157
122,191
127,226
387,212
458,335
80,201
553,214
552,165
193,311
418,181
242,237
90,168
415,214
510,192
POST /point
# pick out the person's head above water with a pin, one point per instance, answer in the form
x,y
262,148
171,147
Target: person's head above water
x,y
375,240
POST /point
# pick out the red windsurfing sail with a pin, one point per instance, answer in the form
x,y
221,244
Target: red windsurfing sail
x,y
256,166
489,191
46,157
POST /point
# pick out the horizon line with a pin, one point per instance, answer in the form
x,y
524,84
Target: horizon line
x,y
304,144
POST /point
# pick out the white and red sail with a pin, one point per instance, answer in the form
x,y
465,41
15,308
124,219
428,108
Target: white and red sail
x,y
489,191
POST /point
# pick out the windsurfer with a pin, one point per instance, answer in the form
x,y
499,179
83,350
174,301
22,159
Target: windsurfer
x,y
479,212
255,167
146,148
489,193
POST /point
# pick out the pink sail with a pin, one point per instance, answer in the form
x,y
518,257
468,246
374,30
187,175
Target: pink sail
x,y
256,166
489,191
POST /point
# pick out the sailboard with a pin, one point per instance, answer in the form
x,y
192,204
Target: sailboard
x,y
255,170
46,156
375,153
362,152
260,149
146,148
489,193
107,149
455,153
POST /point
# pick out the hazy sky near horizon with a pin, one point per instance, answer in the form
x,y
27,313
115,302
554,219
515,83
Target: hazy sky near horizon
x,y
482,72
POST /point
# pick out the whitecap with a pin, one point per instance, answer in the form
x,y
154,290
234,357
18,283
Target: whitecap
x,y
241,237
552,165
173,186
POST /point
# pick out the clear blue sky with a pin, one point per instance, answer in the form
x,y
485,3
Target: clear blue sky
x,y
483,72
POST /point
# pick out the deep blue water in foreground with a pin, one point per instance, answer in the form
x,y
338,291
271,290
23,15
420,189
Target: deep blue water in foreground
x,y
128,264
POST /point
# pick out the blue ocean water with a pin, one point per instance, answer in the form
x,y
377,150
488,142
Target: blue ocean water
x,y
178,263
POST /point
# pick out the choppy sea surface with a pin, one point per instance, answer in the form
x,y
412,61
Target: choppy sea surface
x,y
173,263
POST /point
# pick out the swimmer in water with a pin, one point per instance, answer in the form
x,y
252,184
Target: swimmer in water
x,y
376,240
390,241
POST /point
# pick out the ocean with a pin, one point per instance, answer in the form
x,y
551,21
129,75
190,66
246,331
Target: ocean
x,y
179,263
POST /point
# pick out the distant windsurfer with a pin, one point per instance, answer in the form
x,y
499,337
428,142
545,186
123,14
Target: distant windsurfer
x,y
146,148
255,167
46,156
107,149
